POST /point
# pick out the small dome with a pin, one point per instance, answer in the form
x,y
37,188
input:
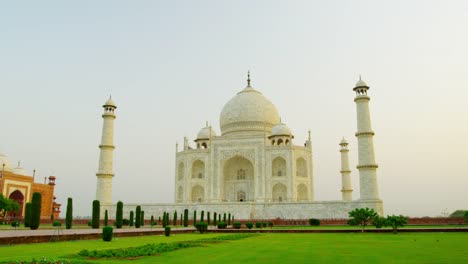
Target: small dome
x,y
281,130
19,170
5,160
361,83
206,133
344,142
109,102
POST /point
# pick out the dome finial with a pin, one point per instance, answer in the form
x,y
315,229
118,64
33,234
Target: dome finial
x,y
248,78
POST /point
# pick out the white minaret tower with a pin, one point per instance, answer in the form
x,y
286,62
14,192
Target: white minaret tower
x,y
106,157
346,189
367,166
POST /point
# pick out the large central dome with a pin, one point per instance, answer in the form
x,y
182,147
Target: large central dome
x,y
248,111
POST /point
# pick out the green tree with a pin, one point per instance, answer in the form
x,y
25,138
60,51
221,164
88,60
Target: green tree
x,y
174,221
466,217
119,215
185,217
138,216
69,214
194,217
7,206
224,218
131,218
96,214
142,219
106,218
27,215
229,219
181,221
152,221
396,221
208,218
214,219
362,217
202,216
379,222
36,210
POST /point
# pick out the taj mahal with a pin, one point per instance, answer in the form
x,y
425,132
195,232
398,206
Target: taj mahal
x,y
253,169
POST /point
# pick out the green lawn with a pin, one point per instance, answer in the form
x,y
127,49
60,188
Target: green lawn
x,y
275,248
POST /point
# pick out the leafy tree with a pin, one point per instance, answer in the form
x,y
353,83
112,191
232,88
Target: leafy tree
x,y
395,221
36,210
7,206
362,217
69,214
185,217
131,218
119,215
379,222
138,216
106,218
96,214
27,215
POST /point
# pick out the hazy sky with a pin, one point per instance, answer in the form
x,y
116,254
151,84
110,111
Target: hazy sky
x,y
172,65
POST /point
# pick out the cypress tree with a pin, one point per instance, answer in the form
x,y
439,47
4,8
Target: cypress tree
x,y
152,221
202,217
229,219
106,218
131,218
224,218
214,218
27,215
119,215
96,214
142,218
159,220
69,214
138,216
175,218
194,217
219,218
35,210
164,221
185,217
181,221
208,218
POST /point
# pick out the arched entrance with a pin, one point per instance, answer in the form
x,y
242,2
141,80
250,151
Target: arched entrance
x,y
198,194
279,192
238,175
18,197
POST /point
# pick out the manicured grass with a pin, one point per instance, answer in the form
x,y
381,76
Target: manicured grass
x,y
347,227
276,248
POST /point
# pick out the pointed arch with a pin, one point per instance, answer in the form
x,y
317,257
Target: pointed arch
x,y
198,194
180,171
279,192
302,192
301,167
278,167
238,176
180,194
198,169
18,197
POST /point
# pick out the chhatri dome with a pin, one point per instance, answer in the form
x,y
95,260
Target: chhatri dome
x,y
206,133
281,130
248,111
5,160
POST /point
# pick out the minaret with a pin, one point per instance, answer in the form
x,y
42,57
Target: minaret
x,y
105,171
367,166
346,189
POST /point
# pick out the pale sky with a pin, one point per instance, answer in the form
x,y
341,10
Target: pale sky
x,y
172,65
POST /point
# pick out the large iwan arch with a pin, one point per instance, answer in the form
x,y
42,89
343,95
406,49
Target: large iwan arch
x,y
238,177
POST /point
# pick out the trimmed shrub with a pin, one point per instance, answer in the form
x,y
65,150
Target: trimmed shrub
x,y
314,222
222,225
208,218
466,216
56,224
119,215
174,221
15,224
142,218
194,217
214,219
69,214
202,216
264,224
106,218
185,217
270,224
237,225
202,227
125,222
249,225
107,233
138,216
96,212
27,215
35,210
131,218
167,231
90,223
229,219
258,225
